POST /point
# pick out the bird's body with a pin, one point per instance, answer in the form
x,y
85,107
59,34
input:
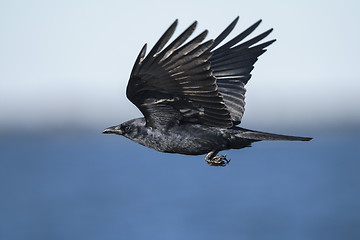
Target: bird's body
x,y
190,139
192,96
195,139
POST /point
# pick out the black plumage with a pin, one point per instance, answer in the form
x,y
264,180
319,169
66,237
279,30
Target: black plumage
x,y
192,94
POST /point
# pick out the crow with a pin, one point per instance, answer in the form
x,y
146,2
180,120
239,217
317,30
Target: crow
x,y
192,94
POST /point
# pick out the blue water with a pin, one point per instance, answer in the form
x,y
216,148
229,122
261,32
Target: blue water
x,y
93,186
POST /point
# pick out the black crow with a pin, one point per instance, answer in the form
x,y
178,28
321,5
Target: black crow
x,y
192,94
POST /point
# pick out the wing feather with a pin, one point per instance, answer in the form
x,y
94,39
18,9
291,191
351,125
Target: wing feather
x,y
232,64
177,79
192,80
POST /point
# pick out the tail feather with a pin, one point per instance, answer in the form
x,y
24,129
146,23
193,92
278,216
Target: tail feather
x,y
258,136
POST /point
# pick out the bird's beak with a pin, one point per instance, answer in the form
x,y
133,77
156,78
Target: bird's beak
x,y
115,130
108,130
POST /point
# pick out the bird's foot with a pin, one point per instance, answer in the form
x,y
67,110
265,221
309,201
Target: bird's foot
x,y
218,160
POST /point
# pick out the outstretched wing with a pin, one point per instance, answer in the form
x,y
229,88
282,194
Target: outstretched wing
x,y
176,84
232,65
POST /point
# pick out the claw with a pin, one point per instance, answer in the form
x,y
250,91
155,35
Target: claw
x,y
217,160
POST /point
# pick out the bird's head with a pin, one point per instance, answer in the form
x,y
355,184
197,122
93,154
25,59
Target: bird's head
x,y
121,129
129,129
126,129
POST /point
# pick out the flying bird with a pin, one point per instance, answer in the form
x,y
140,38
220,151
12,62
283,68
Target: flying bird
x,y
192,93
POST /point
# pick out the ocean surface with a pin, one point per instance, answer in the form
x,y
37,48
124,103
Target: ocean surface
x,y
93,186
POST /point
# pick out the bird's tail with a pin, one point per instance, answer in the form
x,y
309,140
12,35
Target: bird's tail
x,y
259,136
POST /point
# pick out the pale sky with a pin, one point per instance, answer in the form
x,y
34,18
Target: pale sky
x,y
68,62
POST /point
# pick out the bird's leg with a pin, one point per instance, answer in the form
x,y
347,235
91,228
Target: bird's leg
x,y
216,160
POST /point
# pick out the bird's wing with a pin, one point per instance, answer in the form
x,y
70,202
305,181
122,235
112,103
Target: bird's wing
x,y
176,84
232,63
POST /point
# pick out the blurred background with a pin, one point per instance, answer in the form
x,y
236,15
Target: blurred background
x,y
64,66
